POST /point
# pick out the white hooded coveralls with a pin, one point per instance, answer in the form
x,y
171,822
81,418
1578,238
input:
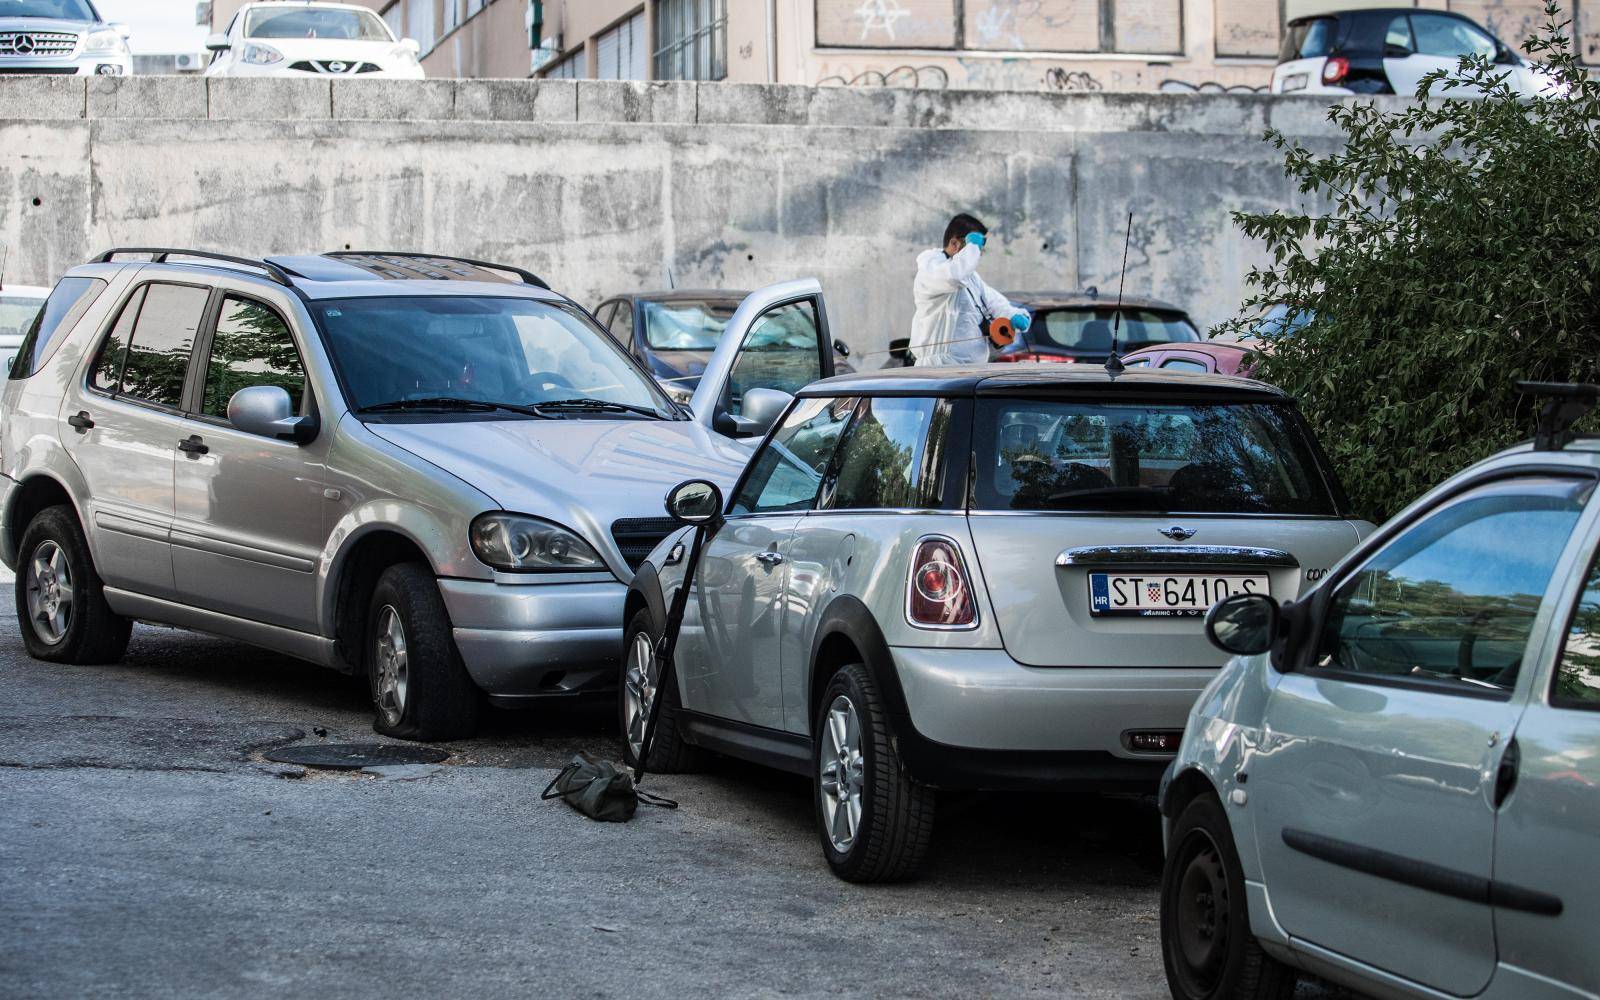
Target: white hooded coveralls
x,y
947,328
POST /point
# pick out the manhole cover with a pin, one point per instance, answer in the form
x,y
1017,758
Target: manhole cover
x,y
350,756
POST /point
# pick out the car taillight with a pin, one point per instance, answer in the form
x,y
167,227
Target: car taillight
x,y
939,594
1335,69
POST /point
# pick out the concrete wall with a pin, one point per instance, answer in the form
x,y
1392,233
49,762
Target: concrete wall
x,y
605,187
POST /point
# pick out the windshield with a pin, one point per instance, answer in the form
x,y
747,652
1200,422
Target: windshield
x,y
17,313
1202,458
684,325
1088,328
316,22
513,351
64,10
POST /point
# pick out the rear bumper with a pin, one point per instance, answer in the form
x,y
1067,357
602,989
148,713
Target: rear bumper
x,y
977,718
537,640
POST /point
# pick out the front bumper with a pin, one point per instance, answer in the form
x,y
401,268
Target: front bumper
x,y
537,640
978,718
88,64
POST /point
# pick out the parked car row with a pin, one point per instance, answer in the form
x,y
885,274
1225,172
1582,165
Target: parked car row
x,y
443,475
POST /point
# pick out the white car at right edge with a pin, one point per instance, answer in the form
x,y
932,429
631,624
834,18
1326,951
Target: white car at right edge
x,y
291,38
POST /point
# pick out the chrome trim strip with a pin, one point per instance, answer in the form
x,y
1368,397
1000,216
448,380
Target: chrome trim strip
x,y
1165,515
1165,555
249,553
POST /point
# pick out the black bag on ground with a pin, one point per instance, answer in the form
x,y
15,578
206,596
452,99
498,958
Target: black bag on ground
x,y
598,790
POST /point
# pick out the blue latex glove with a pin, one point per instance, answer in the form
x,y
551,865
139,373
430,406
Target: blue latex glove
x,y
976,239
1021,321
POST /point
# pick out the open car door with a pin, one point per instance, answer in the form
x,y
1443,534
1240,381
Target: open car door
x,y
777,339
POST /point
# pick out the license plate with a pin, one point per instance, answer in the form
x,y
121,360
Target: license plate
x,y
1296,81
1166,594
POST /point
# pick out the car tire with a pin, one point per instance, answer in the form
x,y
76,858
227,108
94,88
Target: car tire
x,y
420,688
1206,943
61,601
638,686
856,769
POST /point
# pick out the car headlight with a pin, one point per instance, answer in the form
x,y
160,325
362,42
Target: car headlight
x,y
517,543
260,55
103,40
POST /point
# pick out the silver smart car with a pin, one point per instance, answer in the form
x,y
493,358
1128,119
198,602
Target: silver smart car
x,y
433,471
981,578
1396,784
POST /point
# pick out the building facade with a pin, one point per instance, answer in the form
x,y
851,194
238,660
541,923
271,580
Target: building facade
x,y
1064,45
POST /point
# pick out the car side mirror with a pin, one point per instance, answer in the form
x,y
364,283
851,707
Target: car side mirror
x,y
841,348
695,502
218,42
1243,624
121,29
762,407
412,44
267,410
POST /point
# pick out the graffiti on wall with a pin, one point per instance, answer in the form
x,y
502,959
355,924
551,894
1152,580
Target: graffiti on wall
x,y
1063,80
1210,87
886,23
923,77
880,16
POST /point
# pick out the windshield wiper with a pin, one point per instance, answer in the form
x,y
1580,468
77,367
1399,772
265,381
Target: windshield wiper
x,y
450,403
598,405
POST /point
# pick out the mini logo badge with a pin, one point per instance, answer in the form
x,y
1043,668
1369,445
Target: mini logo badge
x,y
1178,533
23,45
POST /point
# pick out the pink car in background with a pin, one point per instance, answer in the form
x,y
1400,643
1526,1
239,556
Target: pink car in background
x,y
1215,356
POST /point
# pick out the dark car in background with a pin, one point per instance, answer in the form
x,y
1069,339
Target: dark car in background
x,y
1078,326
673,333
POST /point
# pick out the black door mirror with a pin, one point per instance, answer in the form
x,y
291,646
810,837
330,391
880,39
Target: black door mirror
x,y
1244,624
696,502
841,348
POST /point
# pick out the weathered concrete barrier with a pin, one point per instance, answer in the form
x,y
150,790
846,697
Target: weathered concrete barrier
x,y
604,187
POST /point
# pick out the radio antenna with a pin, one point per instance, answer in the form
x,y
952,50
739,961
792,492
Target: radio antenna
x,y
671,285
1114,365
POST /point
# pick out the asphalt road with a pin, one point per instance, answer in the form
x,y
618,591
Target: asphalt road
x,y
146,849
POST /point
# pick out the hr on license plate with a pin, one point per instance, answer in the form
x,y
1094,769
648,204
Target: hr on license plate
x,y
1158,594
1296,81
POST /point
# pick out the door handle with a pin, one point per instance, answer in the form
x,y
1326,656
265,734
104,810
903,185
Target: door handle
x,y
769,558
81,421
1505,778
192,445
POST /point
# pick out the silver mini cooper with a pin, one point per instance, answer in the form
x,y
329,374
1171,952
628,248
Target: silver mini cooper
x,y
984,578
434,471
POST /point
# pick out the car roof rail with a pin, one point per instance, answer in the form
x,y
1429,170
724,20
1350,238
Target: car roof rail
x,y
1564,404
403,256
159,255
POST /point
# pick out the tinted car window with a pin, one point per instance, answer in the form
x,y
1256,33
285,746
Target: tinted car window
x,y
882,461
779,352
66,305
1577,681
1450,37
788,471
1089,329
477,348
1222,458
1308,39
107,372
1452,599
1183,365
163,338
252,346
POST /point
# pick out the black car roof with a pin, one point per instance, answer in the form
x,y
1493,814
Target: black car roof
x,y
1070,299
1376,11
1024,379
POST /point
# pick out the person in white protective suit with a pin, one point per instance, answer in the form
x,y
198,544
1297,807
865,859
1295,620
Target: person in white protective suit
x,y
954,305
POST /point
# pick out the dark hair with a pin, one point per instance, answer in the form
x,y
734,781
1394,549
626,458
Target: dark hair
x,y
961,225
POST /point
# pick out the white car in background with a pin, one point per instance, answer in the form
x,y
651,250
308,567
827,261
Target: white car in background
x,y
288,38
19,304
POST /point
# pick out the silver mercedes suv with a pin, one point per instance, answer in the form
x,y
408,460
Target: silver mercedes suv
x,y
983,578
61,38
433,471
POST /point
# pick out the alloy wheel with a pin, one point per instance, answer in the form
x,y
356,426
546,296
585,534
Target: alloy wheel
x,y
392,661
841,766
639,683
1202,913
50,593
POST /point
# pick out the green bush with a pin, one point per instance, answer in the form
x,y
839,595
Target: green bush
x,y
1455,249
